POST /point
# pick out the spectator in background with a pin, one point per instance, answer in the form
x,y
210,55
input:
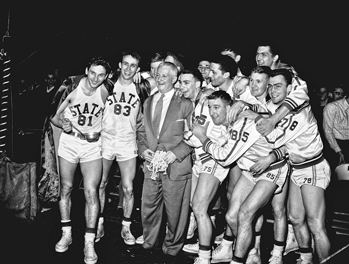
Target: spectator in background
x,y
178,60
336,128
338,93
155,61
204,68
324,97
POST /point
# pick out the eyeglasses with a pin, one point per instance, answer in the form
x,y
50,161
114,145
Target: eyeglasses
x,y
203,68
338,93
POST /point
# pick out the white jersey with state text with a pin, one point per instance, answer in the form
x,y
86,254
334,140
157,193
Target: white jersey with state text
x,y
121,115
86,111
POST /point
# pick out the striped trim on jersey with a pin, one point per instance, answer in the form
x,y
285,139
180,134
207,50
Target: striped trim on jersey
x,y
276,165
205,157
308,163
314,177
282,135
208,142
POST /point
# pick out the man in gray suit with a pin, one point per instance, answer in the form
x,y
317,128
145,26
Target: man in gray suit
x,y
166,194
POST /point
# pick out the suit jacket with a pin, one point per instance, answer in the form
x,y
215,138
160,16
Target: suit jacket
x,y
170,137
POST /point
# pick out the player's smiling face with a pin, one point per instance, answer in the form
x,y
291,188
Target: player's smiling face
x,y
188,86
278,89
264,56
258,84
216,74
218,111
129,67
96,75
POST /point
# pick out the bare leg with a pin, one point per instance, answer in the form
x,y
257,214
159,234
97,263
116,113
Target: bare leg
x,y
205,191
314,203
67,173
92,173
256,199
128,173
104,182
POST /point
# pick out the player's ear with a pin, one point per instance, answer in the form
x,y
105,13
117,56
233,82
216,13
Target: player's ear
x,y
237,58
228,109
86,71
197,84
174,79
275,58
226,75
289,88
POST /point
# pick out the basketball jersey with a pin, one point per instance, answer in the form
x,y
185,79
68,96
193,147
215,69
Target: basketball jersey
x,y
216,133
86,111
243,143
298,131
120,114
299,92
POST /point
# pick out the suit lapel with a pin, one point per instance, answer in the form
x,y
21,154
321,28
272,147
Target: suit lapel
x,y
149,114
171,115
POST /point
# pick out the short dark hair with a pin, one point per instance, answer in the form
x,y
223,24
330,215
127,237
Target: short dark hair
x,y
179,58
100,61
195,72
261,69
132,54
226,64
273,46
157,56
288,75
223,95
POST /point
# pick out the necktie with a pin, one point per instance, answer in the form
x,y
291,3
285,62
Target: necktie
x,y
157,115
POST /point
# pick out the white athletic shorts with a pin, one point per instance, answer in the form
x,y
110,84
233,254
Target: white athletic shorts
x,y
210,167
316,175
277,176
76,150
121,152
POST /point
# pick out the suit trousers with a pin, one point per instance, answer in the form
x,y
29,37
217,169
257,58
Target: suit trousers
x,y
165,199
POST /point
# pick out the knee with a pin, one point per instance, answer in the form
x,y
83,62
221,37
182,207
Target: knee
x,y
66,190
231,218
127,189
198,209
315,224
295,219
103,184
279,211
91,195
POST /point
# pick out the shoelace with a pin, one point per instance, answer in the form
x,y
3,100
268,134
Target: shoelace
x,y
299,261
217,249
197,261
302,261
275,260
195,245
66,237
89,249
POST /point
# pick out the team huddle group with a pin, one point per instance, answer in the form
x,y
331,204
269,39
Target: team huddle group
x,y
210,125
